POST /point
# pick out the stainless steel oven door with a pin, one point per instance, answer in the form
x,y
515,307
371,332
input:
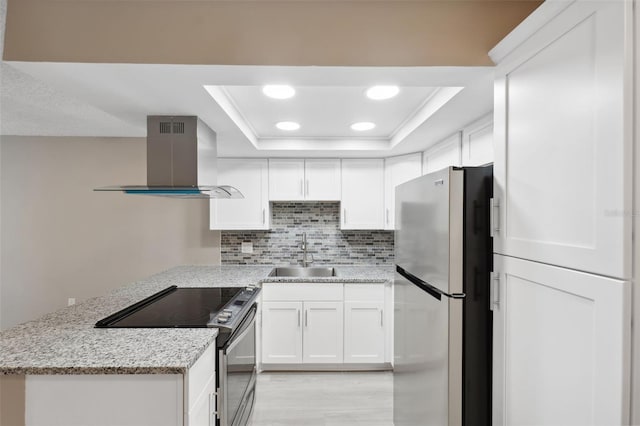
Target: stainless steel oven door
x,y
237,369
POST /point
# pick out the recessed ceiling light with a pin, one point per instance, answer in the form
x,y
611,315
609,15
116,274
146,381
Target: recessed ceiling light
x,y
288,125
278,91
379,93
362,126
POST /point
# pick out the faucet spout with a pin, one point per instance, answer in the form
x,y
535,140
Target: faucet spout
x,y
303,246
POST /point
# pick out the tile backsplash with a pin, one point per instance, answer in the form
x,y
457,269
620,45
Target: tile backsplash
x,y
325,241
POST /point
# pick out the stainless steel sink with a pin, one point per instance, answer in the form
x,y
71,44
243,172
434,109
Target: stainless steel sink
x,y
302,272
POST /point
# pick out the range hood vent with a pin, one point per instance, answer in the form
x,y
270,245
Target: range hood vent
x,y
181,161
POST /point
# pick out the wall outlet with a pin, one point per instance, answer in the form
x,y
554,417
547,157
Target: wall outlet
x,y
71,301
246,247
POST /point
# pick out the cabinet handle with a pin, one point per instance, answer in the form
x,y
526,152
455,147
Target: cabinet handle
x,y
344,216
301,188
306,318
495,216
494,297
298,317
263,216
381,318
387,216
307,189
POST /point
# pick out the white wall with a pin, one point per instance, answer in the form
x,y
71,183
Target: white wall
x,y
61,239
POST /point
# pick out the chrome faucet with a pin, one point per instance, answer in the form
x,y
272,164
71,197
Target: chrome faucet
x,y
303,246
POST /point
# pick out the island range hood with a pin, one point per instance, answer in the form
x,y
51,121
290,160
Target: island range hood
x,y
181,161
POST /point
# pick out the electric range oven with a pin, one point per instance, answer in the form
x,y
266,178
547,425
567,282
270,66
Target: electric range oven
x,y
230,309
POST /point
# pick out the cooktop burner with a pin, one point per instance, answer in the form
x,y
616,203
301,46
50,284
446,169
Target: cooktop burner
x,y
182,307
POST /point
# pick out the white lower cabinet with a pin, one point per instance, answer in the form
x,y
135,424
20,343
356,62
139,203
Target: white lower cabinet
x,y
323,333
561,340
364,332
282,332
319,324
124,399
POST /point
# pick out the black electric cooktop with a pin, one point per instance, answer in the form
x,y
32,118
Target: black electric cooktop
x,y
180,307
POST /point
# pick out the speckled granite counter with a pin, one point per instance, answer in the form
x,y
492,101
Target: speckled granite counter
x,y
65,341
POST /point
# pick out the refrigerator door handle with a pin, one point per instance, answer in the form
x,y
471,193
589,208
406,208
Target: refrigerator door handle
x,y
432,290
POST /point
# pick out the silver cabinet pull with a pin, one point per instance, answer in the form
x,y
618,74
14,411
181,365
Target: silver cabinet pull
x,y
494,299
301,188
263,216
387,216
307,189
344,216
381,318
495,216
298,317
306,318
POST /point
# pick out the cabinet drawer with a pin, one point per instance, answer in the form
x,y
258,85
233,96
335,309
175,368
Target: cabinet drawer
x,y
302,291
364,292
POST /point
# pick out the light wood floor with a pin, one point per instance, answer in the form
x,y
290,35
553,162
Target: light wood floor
x,y
324,399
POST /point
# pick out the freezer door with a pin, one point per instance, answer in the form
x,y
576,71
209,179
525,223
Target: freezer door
x,y
429,228
427,376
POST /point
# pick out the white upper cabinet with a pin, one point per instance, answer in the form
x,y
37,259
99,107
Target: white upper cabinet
x,y
362,194
398,170
296,179
561,340
442,155
249,176
563,141
322,179
286,179
477,143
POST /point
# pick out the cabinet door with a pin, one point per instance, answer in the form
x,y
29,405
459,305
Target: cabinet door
x,y
442,155
286,179
282,332
364,332
562,162
561,340
398,170
477,143
323,332
251,212
362,194
322,180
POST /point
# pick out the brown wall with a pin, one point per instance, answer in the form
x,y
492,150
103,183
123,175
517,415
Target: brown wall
x,y
294,32
60,239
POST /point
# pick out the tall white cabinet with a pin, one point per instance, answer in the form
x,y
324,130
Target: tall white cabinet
x,y
562,235
563,143
561,341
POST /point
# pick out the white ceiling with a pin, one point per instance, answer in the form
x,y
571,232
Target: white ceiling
x,y
326,112
71,99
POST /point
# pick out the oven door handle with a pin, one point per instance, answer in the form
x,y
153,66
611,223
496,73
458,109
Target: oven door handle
x,y
242,331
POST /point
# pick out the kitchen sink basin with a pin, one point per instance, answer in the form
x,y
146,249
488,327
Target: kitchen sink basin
x,y
303,272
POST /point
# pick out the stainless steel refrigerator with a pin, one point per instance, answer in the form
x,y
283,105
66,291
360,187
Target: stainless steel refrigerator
x,y
442,320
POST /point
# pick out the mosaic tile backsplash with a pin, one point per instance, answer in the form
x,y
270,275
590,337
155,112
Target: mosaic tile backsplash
x,y
325,241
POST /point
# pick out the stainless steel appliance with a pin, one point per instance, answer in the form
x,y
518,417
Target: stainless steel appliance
x,y
230,309
442,320
181,161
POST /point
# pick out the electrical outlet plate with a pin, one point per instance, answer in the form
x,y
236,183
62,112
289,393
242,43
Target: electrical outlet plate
x,y
246,248
71,301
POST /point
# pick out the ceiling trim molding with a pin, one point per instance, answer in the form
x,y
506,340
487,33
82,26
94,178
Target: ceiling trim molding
x,y
436,101
228,106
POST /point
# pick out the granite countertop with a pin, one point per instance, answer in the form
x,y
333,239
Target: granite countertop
x,y
65,341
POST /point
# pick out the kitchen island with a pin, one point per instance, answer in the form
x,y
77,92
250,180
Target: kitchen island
x,y
66,343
